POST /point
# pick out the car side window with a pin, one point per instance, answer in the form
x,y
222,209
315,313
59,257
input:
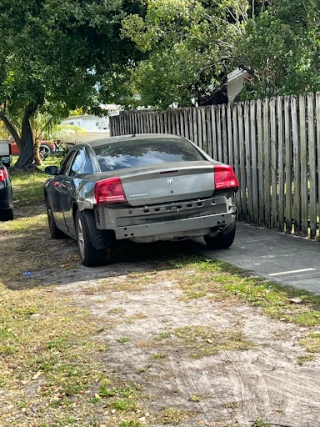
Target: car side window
x,y
66,164
82,164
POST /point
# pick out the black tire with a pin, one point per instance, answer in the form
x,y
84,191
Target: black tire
x,y
55,232
6,215
89,255
222,241
44,151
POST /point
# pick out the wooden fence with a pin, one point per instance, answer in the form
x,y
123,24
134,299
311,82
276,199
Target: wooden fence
x,y
273,145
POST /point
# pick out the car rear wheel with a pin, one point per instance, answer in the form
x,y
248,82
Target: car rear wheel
x,y
6,215
222,241
55,232
89,255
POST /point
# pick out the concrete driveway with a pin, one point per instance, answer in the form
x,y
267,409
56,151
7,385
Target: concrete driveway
x,y
279,257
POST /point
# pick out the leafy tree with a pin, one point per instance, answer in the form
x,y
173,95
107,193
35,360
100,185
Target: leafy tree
x,y
189,46
53,53
281,49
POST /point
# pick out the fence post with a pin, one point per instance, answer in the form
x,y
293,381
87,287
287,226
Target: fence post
x,y
281,162
296,167
266,145
303,162
312,166
274,170
254,163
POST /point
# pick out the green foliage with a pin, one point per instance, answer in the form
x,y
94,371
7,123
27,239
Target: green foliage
x,y
53,55
281,48
189,46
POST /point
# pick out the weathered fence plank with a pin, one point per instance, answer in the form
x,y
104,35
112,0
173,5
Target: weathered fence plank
x,y
242,162
296,166
230,136
204,141
208,127
303,162
288,167
219,139
266,145
281,164
248,167
224,134
312,166
318,150
254,163
260,162
214,133
274,169
236,154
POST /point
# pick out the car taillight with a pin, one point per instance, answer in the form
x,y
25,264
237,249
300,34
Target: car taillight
x,y
224,177
109,191
10,149
3,175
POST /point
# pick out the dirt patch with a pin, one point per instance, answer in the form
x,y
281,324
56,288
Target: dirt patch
x,y
176,347
262,379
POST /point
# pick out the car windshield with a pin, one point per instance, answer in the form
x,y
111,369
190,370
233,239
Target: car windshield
x,y
145,152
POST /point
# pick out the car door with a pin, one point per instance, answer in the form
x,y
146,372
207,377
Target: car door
x,y
81,165
55,194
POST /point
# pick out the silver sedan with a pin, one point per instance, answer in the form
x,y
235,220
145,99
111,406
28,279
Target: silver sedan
x,y
142,188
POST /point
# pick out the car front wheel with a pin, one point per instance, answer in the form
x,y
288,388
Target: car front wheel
x,y
222,240
89,255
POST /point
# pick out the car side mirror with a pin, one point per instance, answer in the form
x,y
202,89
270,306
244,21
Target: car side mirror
x,y
52,170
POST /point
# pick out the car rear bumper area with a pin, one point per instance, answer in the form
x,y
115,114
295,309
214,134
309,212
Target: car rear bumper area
x,y
176,229
168,221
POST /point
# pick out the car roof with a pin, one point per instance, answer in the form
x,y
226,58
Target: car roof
x,y
114,139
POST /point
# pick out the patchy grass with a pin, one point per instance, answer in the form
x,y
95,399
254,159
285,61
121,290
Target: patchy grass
x,y
305,358
203,341
260,423
123,340
172,416
28,187
194,398
312,342
200,341
221,281
48,361
160,356
52,372
22,238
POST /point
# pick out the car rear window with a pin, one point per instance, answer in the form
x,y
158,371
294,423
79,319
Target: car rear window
x,y
145,152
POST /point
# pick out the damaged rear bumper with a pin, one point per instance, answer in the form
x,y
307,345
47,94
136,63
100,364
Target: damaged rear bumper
x,y
168,221
187,227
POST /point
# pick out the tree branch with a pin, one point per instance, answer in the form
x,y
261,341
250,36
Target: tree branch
x,y
11,128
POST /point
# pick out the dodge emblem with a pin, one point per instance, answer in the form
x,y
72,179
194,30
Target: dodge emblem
x,y
169,181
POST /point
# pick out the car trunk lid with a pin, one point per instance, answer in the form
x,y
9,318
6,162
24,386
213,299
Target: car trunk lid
x,y
170,182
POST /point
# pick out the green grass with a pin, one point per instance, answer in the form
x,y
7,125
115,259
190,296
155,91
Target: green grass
x,y
28,188
172,416
221,281
123,340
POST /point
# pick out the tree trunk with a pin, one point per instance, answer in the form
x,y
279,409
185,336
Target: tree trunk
x,y
27,148
26,157
37,158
